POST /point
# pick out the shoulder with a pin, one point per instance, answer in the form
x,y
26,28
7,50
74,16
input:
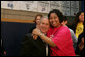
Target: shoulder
x,y
71,30
28,34
64,29
27,37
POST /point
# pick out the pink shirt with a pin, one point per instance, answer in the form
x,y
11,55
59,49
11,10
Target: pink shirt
x,y
61,36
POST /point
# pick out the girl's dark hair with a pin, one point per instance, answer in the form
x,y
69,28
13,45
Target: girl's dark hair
x,y
65,18
37,16
77,17
80,37
58,13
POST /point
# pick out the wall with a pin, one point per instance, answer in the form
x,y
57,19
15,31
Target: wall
x,y
82,6
12,34
14,25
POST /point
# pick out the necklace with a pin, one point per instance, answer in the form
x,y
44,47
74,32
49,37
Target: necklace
x,y
55,31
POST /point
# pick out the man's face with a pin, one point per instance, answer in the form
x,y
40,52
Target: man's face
x,y
44,25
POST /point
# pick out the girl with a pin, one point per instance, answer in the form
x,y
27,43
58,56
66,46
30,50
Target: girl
x,y
58,37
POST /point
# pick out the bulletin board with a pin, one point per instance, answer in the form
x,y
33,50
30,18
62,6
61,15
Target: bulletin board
x,y
68,8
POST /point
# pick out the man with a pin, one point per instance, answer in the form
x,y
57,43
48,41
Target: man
x,y
32,45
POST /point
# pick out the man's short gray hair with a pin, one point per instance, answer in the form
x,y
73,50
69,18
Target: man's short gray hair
x,y
44,17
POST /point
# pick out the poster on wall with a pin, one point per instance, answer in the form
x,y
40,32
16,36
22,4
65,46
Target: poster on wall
x,y
7,4
63,10
55,5
74,7
19,5
63,3
77,10
14,5
77,7
43,6
72,11
25,5
31,5
68,8
67,11
68,4
64,7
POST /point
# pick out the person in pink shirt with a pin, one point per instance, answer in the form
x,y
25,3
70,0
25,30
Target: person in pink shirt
x,y
58,37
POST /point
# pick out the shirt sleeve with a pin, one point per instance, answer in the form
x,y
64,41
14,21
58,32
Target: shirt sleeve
x,y
75,39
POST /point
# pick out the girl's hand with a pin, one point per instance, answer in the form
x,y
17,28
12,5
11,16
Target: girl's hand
x,y
34,36
36,32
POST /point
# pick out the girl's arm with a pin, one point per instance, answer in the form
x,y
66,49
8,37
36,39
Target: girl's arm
x,y
44,37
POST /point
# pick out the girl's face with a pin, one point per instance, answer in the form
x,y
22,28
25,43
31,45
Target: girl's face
x,y
54,20
38,20
81,17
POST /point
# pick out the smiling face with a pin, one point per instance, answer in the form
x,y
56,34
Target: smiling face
x,y
81,17
38,20
54,20
44,25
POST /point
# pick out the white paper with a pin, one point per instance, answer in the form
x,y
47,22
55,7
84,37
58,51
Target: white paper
x,y
68,8
43,7
7,4
31,5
